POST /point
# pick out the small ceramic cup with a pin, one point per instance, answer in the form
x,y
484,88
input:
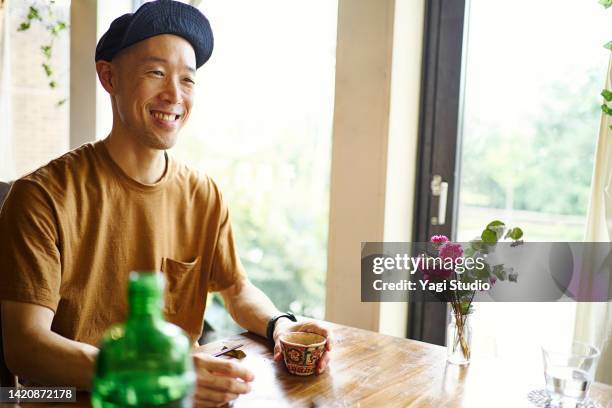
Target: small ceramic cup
x,y
301,351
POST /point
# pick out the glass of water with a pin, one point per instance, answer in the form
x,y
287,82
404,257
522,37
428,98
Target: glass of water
x,y
569,371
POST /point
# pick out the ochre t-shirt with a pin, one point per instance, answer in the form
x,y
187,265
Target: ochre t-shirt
x,y
71,231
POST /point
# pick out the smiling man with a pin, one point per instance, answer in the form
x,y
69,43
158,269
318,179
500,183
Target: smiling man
x,y
71,231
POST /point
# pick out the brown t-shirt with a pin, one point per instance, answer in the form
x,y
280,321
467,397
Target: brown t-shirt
x,y
71,231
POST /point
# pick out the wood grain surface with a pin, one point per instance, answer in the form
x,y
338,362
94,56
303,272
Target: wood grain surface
x,y
368,369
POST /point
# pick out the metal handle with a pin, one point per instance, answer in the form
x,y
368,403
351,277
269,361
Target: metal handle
x,y
439,189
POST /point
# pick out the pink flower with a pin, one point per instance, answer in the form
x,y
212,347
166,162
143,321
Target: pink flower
x,y
439,239
434,268
441,273
450,250
492,280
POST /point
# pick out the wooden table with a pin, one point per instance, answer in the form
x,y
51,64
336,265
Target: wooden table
x,y
373,370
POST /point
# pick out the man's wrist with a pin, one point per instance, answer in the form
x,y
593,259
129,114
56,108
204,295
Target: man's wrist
x,y
276,322
280,324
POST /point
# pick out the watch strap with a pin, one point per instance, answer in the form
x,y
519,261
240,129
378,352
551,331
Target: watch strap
x,y
272,324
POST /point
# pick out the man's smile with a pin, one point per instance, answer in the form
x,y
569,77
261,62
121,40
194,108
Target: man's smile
x,y
165,116
165,119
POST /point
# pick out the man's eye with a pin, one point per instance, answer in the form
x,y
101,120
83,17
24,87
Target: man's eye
x,y
191,81
157,73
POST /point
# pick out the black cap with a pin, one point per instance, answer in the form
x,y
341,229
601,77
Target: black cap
x,y
155,18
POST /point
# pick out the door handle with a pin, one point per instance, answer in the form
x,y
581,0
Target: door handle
x,y
439,189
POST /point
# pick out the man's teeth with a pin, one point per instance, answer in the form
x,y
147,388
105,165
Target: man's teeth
x,y
163,116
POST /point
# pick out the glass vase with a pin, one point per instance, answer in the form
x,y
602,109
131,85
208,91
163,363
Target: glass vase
x,y
459,338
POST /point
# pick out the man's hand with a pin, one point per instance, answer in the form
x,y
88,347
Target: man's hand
x,y
219,381
310,326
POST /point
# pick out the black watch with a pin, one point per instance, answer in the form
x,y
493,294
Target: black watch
x,y
272,324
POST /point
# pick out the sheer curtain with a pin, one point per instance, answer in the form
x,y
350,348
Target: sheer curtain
x,y
594,320
7,167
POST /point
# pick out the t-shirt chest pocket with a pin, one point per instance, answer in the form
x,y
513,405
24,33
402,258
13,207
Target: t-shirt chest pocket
x,y
181,283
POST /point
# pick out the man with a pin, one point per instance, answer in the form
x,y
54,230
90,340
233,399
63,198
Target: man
x,y
71,231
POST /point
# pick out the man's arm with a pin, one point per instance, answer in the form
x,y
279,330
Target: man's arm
x,y
249,306
34,352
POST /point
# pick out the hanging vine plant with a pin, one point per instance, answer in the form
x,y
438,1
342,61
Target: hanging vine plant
x,y
606,93
54,27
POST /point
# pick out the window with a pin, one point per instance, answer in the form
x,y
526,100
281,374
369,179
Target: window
x,y
518,92
37,127
531,116
530,122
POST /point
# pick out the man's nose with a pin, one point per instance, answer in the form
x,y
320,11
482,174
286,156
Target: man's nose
x,y
172,92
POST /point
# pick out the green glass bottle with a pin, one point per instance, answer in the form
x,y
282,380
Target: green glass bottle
x,y
145,362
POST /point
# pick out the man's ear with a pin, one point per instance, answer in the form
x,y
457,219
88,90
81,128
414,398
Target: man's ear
x,y
107,76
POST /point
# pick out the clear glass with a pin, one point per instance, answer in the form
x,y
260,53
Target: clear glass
x,y
261,128
569,372
146,361
459,339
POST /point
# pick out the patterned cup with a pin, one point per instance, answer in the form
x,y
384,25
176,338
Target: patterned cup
x,y
301,351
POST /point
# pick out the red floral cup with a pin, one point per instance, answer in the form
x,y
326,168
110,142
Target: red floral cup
x,y
301,351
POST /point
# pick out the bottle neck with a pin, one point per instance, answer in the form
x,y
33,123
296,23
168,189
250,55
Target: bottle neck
x,y
145,307
145,293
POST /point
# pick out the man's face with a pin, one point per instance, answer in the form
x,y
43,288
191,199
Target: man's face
x,y
155,89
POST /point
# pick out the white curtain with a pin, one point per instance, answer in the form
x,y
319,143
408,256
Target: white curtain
x,y
7,167
594,320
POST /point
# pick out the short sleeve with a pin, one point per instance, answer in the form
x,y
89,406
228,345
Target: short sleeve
x,y
226,266
30,265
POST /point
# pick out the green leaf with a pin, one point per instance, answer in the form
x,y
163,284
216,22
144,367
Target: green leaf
x,y
607,95
47,69
499,272
608,45
605,109
497,227
53,84
605,3
469,252
33,14
496,223
467,278
610,126
515,233
489,236
46,49
24,26
516,243
476,245
55,29
61,102
483,273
